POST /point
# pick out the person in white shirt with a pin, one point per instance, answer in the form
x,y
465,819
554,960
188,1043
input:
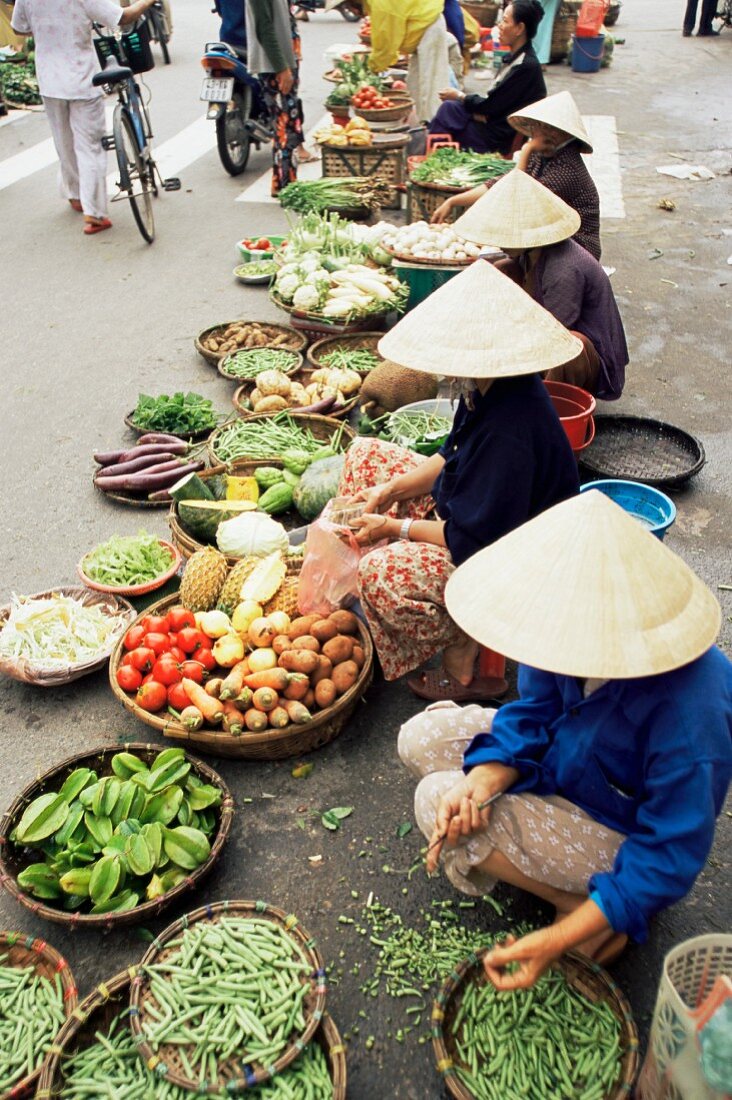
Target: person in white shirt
x,y
65,64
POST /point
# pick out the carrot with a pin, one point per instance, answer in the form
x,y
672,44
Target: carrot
x,y
213,687
191,718
244,698
255,720
233,719
278,718
234,682
211,709
298,686
265,699
297,712
275,678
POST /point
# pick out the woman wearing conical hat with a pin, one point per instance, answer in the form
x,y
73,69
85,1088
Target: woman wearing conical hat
x,y
534,227
614,763
552,155
506,459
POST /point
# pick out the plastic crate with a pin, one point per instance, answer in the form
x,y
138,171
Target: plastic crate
x,y
389,163
131,49
423,280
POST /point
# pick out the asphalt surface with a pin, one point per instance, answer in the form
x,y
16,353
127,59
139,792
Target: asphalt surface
x,y
87,324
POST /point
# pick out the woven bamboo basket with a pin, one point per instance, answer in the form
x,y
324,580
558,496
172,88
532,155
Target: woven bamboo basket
x,y
402,105
189,437
565,22
424,198
30,672
316,326
484,11
293,368
581,973
272,744
237,1075
386,158
357,341
240,398
295,342
22,951
322,427
97,1011
135,589
13,859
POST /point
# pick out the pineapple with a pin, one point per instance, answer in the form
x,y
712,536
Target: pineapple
x,y
203,580
285,599
230,595
265,581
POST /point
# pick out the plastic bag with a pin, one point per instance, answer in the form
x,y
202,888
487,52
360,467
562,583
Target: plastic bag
x,y
590,19
329,575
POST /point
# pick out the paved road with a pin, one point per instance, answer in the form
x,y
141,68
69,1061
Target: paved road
x,y
89,323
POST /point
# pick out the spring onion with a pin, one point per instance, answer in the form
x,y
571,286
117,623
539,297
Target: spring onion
x,y
57,630
124,560
335,192
454,168
415,428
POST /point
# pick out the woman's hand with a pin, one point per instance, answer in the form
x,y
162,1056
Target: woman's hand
x,y
442,213
285,81
378,499
534,954
372,528
458,814
450,93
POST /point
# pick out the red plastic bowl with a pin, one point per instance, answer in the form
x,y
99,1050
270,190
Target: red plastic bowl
x,y
574,407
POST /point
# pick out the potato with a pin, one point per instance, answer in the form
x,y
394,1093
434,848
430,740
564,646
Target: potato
x,y
309,700
298,660
325,693
298,686
339,648
302,625
344,676
281,642
270,404
261,632
324,630
345,621
323,671
358,655
307,641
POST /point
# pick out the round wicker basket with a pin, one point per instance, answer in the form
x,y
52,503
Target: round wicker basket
x,y
189,437
111,998
253,1074
135,589
12,859
295,342
31,672
322,428
402,105
581,973
22,951
296,365
357,341
240,398
272,744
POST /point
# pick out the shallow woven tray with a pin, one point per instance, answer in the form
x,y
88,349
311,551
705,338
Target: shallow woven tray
x,y
240,1076
637,448
244,390
295,340
293,740
13,859
403,104
24,951
430,263
134,589
189,437
322,427
355,341
107,1001
221,366
316,322
30,673
581,973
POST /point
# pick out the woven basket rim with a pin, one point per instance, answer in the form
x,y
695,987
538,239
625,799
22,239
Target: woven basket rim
x,y
42,951
318,346
213,357
308,419
305,369
431,263
30,672
188,437
134,589
241,908
318,318
568,962
605,423
8,878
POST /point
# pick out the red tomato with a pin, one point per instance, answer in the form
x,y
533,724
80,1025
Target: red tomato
x,y
176,653
129,679
263,244
190,640
206,658
125,662
148,678
158,624
177,697
180,617
152,696
142,658
134,636
166,671
193,670
158,642
399,86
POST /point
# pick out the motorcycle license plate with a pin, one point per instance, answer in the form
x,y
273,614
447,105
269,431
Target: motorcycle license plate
x,y
217,89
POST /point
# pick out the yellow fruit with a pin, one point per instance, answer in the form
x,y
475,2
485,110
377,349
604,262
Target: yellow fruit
x,y
228,650
280,622
231,592
357,123
265,579
242,488
262,659
244,615
203,579
215,624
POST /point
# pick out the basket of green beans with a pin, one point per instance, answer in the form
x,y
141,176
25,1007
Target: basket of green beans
x,y
354,351
572,1035
266,437
37,995
95,1055
246,364
228,996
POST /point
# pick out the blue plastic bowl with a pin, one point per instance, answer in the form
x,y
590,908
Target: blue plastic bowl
x,y
652,508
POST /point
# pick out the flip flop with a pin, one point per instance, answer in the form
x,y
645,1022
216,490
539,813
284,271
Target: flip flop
x,y
437,685
76,205
97,227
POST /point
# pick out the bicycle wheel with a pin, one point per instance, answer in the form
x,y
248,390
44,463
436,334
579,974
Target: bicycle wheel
x,y
160,32
351,12
134,173
232,136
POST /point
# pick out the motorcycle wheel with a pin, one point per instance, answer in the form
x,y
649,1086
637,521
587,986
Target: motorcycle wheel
x,y
350,12
232,136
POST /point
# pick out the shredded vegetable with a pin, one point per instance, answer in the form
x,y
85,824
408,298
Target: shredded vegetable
x,y
57,631
125,560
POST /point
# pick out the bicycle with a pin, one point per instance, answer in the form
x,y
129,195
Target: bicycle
x,y
159,28
123,57
725,13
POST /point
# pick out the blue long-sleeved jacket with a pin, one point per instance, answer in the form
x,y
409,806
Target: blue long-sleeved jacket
x,y
650,758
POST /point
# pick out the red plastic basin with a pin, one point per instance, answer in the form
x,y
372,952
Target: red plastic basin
x,y
574,407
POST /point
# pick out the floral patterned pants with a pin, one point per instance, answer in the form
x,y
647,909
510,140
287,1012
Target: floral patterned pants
x,y
546,837
286,113
402,585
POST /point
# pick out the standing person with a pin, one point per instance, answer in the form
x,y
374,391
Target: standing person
x,y
65,64
233,22
481,123
708,12
274,55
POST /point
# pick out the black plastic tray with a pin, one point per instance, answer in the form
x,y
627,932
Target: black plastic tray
x,y
641,449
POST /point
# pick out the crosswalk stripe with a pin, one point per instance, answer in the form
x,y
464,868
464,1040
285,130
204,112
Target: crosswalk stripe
x,y
604,164
178,152
24,164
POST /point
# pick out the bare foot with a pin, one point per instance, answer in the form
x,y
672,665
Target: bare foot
x,y
304,156
459,660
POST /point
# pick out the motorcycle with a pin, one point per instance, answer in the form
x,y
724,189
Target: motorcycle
x,y
350,12
235,103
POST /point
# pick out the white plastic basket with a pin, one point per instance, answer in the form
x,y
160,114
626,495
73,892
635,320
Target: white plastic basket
x,y
671,1070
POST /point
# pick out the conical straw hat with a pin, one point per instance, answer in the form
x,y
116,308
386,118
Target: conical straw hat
x,y
518,212
584,590
559,111
480,324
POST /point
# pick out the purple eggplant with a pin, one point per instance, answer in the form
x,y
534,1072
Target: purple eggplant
x,y
319,407
178,448
106,458
133,465
159,437
147,481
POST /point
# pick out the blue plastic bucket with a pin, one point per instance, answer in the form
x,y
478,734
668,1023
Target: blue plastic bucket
x,y
587,53
652,508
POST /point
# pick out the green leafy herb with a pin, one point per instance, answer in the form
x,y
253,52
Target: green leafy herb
x,y
331,819
455,168
334,193
179,413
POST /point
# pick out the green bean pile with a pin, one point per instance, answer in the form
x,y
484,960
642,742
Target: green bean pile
x,y
358,359
270,438
547,1043
253,361
112,1067
234,988
418,427
31,1012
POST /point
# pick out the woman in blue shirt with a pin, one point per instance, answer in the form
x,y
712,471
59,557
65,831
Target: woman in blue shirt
x,y
505,460
615,760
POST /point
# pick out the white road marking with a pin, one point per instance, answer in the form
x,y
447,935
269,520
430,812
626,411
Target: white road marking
x,y
26,163
604,164
16,116
259,190
178,152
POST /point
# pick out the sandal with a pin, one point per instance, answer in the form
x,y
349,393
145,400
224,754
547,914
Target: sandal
x,y
437,685
75,204
97,227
